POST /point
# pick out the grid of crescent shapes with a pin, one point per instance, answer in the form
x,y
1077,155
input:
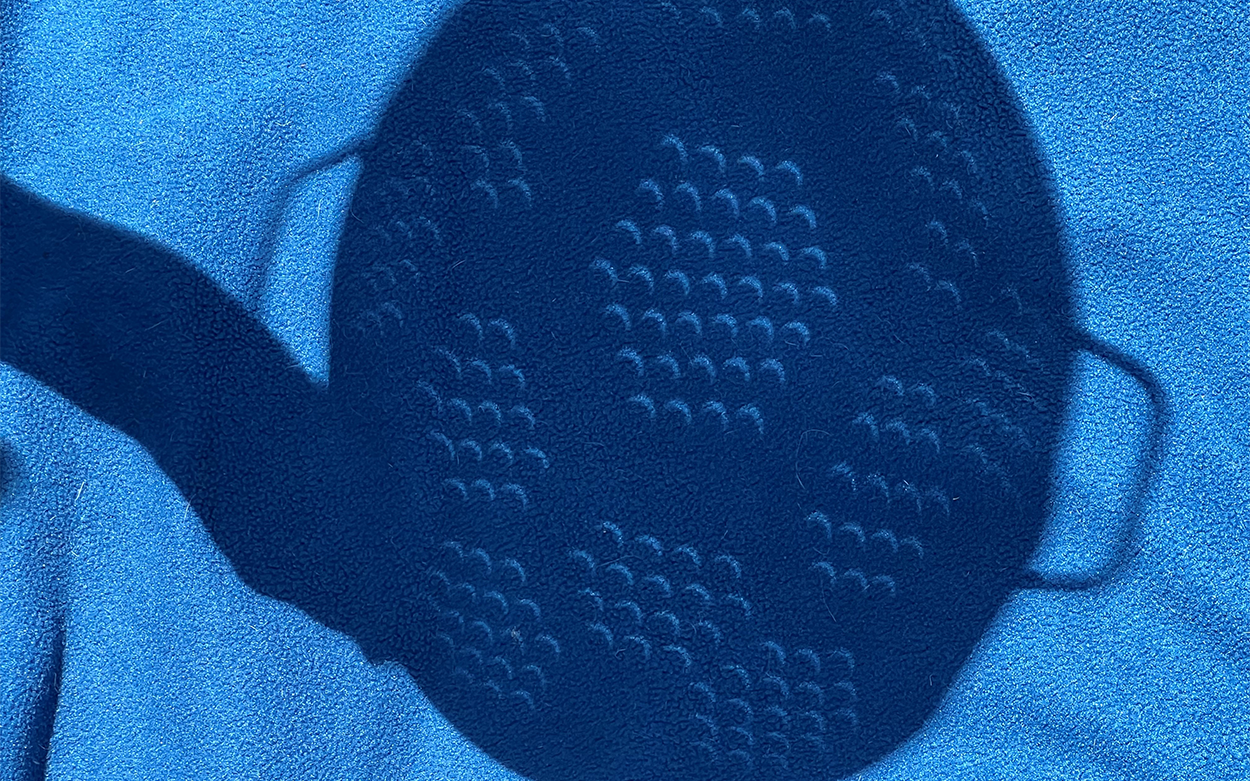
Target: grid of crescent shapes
x,y
489,628
779,706
485,155
949,176
675,608
710,299
952,201
481,428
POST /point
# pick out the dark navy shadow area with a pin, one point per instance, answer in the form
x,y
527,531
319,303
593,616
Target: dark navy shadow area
x,y
696,380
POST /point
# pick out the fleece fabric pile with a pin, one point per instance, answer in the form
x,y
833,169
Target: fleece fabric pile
x,y
625,391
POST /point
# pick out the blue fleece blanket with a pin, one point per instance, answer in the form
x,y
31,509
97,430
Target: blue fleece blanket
x,y
625,391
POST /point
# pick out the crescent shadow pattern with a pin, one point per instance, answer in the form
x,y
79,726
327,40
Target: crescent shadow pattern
x,y
696,379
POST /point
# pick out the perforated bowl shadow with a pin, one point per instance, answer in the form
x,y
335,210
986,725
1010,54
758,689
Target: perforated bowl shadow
x,y
723,351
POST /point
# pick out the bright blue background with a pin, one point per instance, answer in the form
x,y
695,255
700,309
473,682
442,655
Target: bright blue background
x,y
182,121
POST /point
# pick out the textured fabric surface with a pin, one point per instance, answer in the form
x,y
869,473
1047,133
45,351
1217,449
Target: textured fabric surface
x,y
141,636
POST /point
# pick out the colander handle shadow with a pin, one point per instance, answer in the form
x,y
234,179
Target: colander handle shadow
x,y
1127,541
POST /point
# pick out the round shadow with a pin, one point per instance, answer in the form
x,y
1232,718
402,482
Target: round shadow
x,y
722,353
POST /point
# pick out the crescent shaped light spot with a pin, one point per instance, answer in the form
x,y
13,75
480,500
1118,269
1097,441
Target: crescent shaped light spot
x,y
799,330
620,314
452,360
912,544
630,228
805,215
717,282
727,198
508,370
505,329
828,570
668,622
731,565
471,448
711,630
590,35
705,240
522,187
517,493
645,403
754,284
886,536
538,456
763,325
487,189
469,119
740,242
504,451
530,607
884,583
633,358
705,363
669,237
523,412
728,321
700,593
603,633
741,365
459,487
854,530
536,673
650,189
583,559
812,659
789,167
776,250
778,653
715,155
753,414
623,572
654,316
536,106
681,408
603,267
558,65
673,142
717,411
446,442
826,295
433,394
765,206
461,406
821,520
815,254
681,653
513,566
611,528
482,368
754,164
690,554
632,608
774,368
548,644
485,488
474,324
669,363
499,600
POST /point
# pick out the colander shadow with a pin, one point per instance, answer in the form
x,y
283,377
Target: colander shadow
x,y
696,382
